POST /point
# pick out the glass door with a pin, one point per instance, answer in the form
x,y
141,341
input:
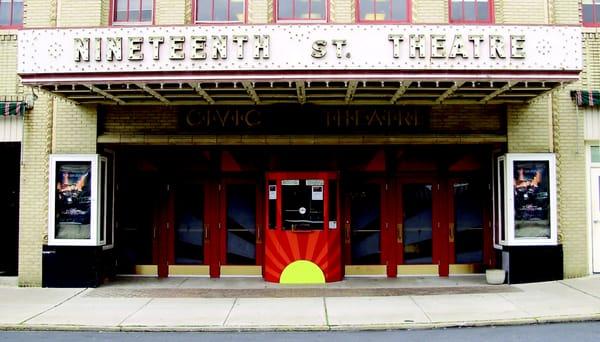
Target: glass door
x,y
417,221
467,200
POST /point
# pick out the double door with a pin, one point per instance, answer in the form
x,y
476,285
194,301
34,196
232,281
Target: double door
x,y
411,225
208,228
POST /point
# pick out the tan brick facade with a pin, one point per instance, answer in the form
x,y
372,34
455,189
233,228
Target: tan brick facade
x,y
546,125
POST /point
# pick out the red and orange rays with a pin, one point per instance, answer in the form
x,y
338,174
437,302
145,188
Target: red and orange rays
x,y
282,248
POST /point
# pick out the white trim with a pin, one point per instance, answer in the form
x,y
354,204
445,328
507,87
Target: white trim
x,y
509,199
93,240
110,155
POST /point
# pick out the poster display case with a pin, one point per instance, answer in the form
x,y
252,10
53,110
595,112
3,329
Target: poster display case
x,y
525,192
78,204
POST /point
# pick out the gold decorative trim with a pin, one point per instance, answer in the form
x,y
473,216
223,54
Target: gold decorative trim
x,y
418,270
465,268
142,139
151,270
230,270
366,270
189,270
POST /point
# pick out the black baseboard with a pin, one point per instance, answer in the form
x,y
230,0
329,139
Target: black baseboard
x,y
529,264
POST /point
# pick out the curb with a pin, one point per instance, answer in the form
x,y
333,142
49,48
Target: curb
x,y
308,328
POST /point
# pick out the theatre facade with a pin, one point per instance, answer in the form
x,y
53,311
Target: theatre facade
x,y
300,152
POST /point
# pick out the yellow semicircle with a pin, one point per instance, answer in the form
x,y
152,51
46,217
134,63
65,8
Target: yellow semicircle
x,y
302,272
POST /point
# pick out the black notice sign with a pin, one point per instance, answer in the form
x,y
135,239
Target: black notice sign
x,y
304,119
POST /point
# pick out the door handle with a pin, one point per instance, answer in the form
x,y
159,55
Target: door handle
x,y
206,236
596,221
451,232
347,231
258,233
400,232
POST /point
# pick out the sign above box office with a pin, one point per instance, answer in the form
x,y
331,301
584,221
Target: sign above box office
x,y
304,119
144,59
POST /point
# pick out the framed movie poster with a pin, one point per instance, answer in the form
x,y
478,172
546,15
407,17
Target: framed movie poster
x,y
528,199
74,213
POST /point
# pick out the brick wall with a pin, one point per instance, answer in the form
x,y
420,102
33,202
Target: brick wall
x,y
75,128
79,13
260,11
522,12
430,11
529,127
9,82
169,12
342,11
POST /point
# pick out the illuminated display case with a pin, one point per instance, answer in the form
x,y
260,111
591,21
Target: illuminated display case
x,y
525,189
79,208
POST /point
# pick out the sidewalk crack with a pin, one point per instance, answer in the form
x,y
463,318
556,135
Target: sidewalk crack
x,y
422,310
54,306
579,290
326,313
120,324
230,310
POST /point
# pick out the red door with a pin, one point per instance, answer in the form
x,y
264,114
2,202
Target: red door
x,y
368,231
240,223
422,223
302,229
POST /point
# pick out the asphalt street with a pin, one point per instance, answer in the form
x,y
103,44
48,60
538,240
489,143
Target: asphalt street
x,y
580,332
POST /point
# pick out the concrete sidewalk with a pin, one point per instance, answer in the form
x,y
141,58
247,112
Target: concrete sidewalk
x,y
114,308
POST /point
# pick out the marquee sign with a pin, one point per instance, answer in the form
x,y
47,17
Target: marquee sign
x,y
304,119
278,48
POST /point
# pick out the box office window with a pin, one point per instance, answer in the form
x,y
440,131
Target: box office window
x,y
302,204
220,10
301,10
590,10
393,11
133,11
11,13
471,11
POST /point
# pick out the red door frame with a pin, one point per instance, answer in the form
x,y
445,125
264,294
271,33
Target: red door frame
x,y
164,228
439,208
259,247
487,243
387,233
277,240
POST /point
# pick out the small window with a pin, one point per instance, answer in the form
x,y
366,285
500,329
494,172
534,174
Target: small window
x,y
220,10
591,12
11,13
133,11
595,154
303,10
471,11
396,11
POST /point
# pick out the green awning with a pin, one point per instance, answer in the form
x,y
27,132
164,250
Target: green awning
x,y
589,98
12,108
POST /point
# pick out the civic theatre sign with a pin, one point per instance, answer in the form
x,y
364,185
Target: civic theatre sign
x,y
271,48
305,119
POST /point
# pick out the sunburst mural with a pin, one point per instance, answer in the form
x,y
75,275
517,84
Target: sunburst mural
x,y
322,248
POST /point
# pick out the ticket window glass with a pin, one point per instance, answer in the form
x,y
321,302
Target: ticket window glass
x,y
303,206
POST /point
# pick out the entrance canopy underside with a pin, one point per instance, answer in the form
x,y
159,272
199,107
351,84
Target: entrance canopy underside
x,y
325,91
